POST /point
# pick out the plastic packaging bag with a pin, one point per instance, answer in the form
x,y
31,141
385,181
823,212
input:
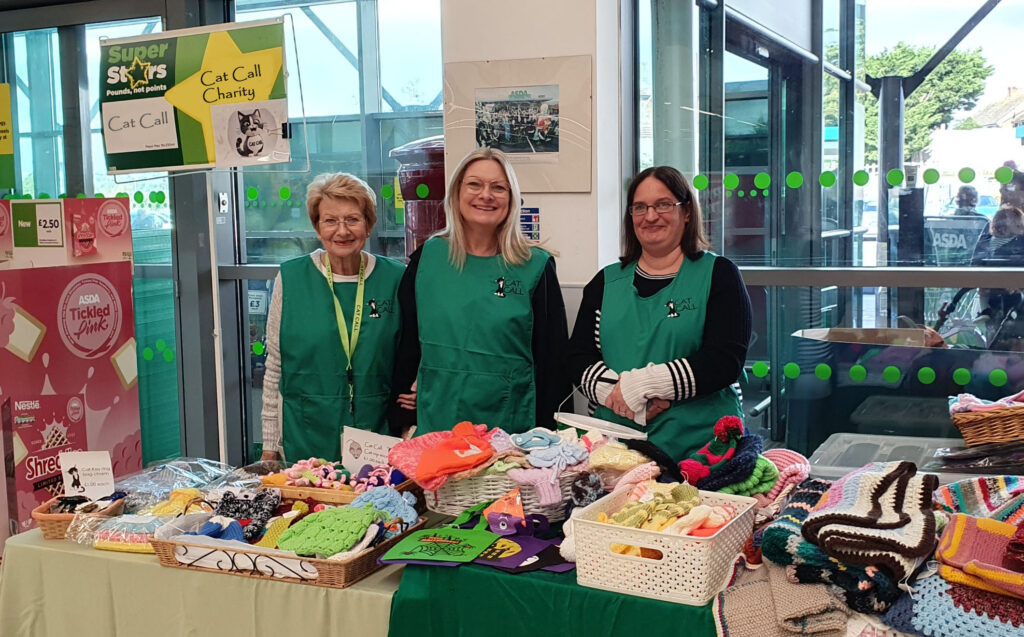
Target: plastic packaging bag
x,y
129,533
154,484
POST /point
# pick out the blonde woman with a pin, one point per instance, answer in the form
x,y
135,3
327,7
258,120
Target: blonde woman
x,y
484,329
332,329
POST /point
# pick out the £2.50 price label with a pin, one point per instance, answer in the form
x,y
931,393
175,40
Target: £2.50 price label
x,y
37,225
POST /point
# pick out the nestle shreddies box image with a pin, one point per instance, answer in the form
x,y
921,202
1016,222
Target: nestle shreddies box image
x,y
35,431
71,331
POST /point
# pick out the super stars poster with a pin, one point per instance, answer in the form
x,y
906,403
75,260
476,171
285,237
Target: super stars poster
x,y
207,97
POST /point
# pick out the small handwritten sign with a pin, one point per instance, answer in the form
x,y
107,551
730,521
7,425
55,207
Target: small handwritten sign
x,y
359,447
87,473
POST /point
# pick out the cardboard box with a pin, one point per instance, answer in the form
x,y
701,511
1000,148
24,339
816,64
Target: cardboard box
x,y
36,430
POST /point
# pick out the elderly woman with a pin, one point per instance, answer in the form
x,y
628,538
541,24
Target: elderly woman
x,y
332,329
483,318
661,337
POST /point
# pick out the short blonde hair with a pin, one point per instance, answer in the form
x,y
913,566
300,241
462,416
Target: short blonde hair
x,y
341,186
1008,222
513,245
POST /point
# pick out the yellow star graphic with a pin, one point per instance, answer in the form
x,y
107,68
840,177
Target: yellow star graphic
x,y
140,70
227,76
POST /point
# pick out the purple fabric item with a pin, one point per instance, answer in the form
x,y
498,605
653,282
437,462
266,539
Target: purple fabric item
x,y
529,546
502,441
544,482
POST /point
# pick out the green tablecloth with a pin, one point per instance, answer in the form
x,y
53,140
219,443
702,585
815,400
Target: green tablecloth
x,y
477,600
58,588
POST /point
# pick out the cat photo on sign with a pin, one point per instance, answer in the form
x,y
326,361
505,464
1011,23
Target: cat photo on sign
x,y
249,133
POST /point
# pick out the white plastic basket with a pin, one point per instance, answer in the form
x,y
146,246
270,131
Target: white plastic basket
x,y
691,570
455,496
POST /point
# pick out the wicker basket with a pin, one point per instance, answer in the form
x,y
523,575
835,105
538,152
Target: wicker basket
x,y
253,563
999,425
332,496
691,570
55,525
455,496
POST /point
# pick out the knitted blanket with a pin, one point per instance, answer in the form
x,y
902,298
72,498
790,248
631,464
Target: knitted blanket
x,y
879,515
864,588
997,497
943,609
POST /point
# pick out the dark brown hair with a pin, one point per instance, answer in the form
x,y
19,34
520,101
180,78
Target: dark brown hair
x,y
693,240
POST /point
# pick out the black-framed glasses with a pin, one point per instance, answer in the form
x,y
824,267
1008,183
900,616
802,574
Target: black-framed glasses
x,y
662,207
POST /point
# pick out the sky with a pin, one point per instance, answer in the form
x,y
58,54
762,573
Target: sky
x,y
934,21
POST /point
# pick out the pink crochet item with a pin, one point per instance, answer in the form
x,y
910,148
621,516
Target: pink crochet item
x,y
542,480
793,469
638,474
971,403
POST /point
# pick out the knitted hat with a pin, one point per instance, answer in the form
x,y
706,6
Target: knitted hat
x,y
762,480
793,469
738,468
997,497
716,453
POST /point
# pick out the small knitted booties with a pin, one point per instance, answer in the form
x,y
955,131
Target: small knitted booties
x,y
716,453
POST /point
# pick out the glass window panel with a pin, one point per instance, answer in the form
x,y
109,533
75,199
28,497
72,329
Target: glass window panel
x,y
36,97
645,82
410,53
831,22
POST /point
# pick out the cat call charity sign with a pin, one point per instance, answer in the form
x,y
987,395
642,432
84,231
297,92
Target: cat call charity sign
x,y
207,97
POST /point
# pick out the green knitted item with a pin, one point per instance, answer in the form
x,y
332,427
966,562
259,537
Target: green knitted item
x,y
330,531
683,498
764,477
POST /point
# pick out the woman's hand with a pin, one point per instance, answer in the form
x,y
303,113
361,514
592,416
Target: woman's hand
x,y
655,407
408,401
271,455
617,403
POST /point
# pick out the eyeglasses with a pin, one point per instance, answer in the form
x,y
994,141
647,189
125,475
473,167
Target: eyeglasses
x,y
475,187
331,223
662,207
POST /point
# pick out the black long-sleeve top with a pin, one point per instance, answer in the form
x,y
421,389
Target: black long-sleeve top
x,y
718,362
550,342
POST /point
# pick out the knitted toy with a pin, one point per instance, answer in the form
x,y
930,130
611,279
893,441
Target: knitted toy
x,y
762,480
973,551
879,515
738,468
712,456
257,507
865,588
371,476
330,531
317,472
997,497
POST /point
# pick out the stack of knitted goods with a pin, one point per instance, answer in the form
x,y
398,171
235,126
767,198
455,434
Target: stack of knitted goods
x,y
996,497
764,603
431,459
669,508
793,469
879,515
864,588
984,554
731,462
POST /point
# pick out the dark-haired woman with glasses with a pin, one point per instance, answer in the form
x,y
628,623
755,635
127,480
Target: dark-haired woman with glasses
x,y
661,336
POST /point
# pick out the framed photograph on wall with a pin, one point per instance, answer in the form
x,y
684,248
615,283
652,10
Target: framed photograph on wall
x,y
537,111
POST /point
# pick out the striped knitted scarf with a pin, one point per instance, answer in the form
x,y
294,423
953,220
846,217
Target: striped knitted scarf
x,y
879,515
865,589
997,497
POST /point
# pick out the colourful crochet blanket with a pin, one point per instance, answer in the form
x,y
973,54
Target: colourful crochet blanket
x,y
996,497
943,609
864,588
878,515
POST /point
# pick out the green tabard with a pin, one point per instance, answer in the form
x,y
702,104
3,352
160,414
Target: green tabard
x,y
476,340
314,385
660,328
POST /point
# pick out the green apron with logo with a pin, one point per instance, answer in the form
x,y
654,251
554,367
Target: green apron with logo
x,y
314,383
476,340
669,325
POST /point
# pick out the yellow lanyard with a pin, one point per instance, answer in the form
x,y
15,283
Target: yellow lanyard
x,y
357,320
